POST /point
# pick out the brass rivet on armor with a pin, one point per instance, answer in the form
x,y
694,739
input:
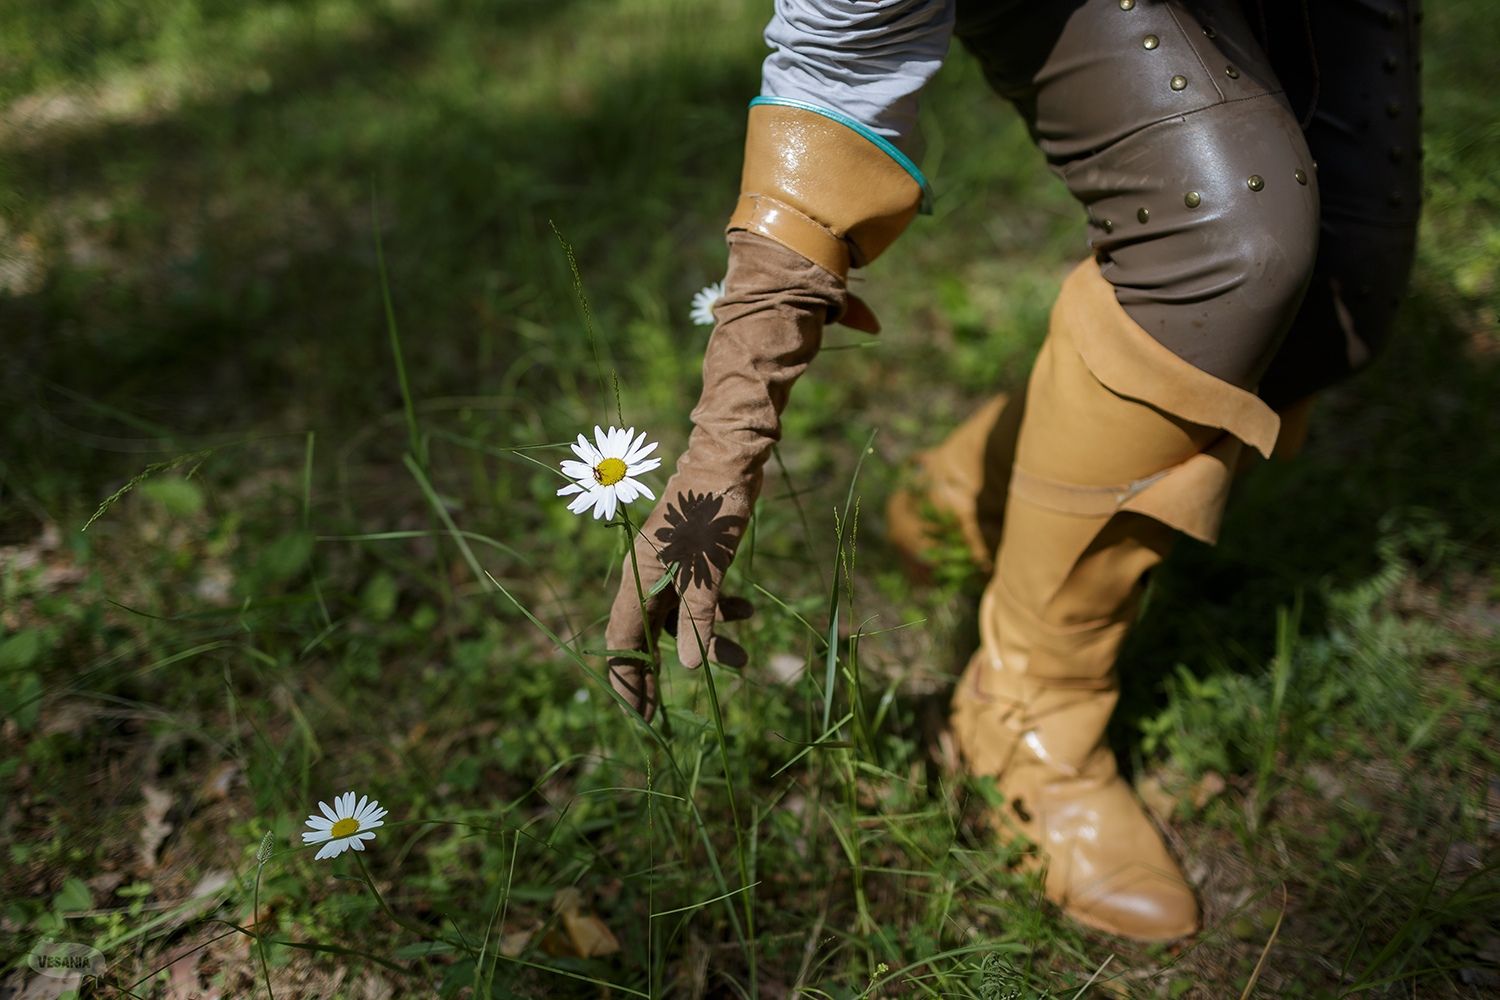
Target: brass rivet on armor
x,y
1127,4
1255,182
1209,32
1143,215
1106,225
1231,72
1179,81
1192,199
1150,42
1300,175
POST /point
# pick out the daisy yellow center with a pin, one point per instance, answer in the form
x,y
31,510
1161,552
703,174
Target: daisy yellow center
x,y
609,471
345,827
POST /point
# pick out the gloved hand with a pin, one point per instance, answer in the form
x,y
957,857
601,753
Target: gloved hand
x,y
819,194
770,324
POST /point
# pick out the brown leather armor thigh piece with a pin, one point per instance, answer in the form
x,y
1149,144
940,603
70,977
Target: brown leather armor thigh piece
x,y
1355,66
1171,121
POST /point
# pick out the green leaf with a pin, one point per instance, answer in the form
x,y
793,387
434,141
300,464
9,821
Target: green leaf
x,y
72,897
284,558
379,597
19,651
180,497
27,700
422,948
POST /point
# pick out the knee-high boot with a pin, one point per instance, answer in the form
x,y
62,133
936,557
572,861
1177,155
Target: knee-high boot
x,y
963,478
1121,444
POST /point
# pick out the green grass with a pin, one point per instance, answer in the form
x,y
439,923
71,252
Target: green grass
x,y
315,569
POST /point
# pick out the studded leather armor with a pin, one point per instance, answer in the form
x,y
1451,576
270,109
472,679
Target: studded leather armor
x,y
1250,169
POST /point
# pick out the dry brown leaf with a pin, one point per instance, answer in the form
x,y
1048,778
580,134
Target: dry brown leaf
x,y
588,936
154,825
182,974
218,784
1208,788
1161,802
515,942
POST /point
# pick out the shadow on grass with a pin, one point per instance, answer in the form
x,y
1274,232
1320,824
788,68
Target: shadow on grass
x,y
211,269
1411,446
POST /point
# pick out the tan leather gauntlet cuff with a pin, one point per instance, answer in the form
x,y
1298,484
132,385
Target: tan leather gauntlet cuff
x,y
827,189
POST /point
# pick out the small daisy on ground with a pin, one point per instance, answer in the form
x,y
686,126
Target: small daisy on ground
x,y
603,477
703,303
344,826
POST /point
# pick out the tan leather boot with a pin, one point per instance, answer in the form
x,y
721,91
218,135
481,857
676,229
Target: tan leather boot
x,y
964,479
1121,444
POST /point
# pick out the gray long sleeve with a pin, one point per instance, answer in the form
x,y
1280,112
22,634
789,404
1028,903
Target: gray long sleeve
x,y
865,59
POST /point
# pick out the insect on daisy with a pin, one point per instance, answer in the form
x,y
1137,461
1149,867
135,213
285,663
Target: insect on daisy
x,y
344,826
704,299
603,478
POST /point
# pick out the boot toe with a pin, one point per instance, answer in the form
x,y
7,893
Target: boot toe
x,y
1137,903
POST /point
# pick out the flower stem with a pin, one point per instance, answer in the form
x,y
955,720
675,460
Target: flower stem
x,y
646,627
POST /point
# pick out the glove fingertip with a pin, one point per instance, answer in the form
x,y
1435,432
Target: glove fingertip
x,y
688,654
695,633
636,684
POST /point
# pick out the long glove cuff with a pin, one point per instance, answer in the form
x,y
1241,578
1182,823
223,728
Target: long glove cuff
x,y
824,186
771,318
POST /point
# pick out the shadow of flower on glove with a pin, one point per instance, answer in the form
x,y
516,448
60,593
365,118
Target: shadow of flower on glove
x,y
698,539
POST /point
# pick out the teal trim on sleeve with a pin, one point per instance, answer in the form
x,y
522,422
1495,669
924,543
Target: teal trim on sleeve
x,y
885,145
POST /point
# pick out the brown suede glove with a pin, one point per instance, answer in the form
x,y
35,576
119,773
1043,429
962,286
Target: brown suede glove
x,y
770,324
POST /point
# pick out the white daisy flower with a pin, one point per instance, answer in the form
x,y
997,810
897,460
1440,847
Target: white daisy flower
x,y
344,826
703,303
603,477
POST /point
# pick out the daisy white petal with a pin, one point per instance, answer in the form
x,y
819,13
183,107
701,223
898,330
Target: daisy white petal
x,y
586,452
350,821
704,300
638,453
605,482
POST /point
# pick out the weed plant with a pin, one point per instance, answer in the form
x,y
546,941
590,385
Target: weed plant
x,y
301,302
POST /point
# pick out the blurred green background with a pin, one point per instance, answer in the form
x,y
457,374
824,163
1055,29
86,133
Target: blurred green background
x,y
273,603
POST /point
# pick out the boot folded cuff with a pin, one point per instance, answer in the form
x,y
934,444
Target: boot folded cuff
x,y
1135,365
